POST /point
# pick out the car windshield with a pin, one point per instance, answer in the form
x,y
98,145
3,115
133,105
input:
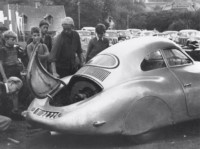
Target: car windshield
x,y
189,33
111,34
84,33
124,33
148,33
104,60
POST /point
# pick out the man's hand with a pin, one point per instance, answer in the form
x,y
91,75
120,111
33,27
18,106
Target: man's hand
x,y
56,75
5,80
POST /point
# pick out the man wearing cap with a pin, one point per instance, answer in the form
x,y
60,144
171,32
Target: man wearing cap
x,y
11,87
9,63
65,48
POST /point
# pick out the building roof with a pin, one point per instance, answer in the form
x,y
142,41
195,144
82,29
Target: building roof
x,y
188,5
35,15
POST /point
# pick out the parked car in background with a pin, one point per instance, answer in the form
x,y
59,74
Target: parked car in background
x,y
184,35
91,29
160,86
85,37
124,35
112,36
147,33
135,32
88,29
172,35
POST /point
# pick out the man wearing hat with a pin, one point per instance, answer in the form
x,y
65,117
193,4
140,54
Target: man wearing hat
x,y
12,86
65,48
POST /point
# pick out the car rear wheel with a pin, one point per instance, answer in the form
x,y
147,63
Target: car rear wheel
x,y
146,137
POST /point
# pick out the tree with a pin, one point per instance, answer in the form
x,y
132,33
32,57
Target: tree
x,y
178,25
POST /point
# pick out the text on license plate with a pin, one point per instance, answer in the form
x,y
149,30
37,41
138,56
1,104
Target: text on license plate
x,y
47,114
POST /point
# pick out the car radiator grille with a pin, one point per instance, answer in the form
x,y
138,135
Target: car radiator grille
x,y
98,73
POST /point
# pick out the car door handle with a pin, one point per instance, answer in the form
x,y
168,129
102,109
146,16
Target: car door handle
x,y
187,85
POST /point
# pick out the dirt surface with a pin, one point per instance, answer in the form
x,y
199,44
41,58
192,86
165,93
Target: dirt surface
x,y
181,136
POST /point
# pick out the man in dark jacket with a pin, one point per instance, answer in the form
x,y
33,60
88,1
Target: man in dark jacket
x,y
98,43
66,48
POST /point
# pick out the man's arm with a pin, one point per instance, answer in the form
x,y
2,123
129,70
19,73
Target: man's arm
x,y
53,68
46,52
53,55
29,51
90,46
2,72
79,51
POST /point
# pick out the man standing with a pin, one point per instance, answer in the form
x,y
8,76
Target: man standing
x,y
45,37
98,43
66,47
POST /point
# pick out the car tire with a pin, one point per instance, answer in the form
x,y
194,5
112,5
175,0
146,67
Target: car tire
x,y
144,138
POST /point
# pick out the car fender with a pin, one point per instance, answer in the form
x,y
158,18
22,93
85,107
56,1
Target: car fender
x,y
146,114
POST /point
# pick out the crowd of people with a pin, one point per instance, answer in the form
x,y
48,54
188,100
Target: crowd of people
x,y
61,56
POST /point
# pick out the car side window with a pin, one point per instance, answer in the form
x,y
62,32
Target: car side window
x,y
153,60
176,57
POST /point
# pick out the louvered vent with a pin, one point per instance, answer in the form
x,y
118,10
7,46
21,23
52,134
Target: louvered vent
x,y
98,73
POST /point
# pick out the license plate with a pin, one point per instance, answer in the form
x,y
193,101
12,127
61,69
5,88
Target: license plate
x,y
46,114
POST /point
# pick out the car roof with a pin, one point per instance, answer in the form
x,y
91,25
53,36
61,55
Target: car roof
x,y
188,30
111,31
170,32
88,28
139,46
85,31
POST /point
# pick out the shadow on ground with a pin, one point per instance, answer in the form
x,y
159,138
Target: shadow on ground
x,y
180,136
172,135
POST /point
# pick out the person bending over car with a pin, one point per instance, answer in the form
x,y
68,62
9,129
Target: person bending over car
x,y
12,86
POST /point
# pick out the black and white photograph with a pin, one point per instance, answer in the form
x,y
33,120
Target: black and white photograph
x,y
99,74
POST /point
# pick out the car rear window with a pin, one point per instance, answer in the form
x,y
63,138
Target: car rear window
x,y
153,60
104,60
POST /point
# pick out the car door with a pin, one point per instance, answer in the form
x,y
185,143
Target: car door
x,y
188,73
40,82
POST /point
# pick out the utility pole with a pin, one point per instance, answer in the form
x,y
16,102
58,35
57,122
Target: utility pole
x,y
79,18
127,20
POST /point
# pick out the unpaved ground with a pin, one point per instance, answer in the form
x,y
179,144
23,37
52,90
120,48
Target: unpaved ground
x,y
181,136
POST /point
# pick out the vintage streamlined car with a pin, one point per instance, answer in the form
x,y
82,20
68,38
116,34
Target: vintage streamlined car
x,y
130,88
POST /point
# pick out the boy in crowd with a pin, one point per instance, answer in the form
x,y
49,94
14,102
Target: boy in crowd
x,y
98,43
42,49
9,63
45,37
